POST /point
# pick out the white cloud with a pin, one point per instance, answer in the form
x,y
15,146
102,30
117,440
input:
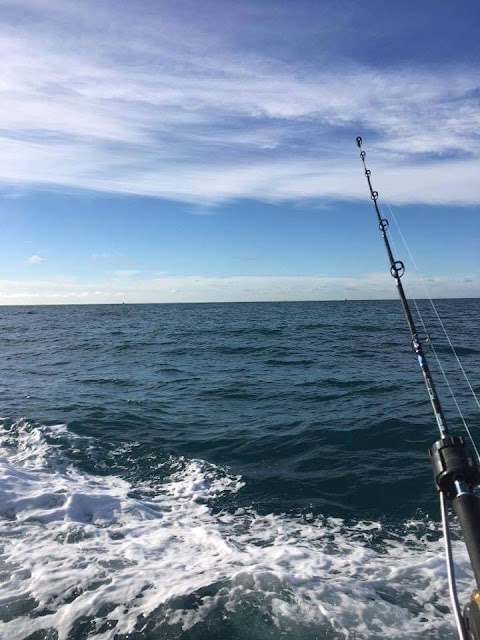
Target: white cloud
x,y
164,109
107,257
125,273
35,259
197,288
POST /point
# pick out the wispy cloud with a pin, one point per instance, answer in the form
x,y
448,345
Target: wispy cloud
x,y
197,288
107,257
35,259
167,108
125,273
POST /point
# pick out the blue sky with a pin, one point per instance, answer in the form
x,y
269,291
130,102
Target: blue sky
x,y
182,151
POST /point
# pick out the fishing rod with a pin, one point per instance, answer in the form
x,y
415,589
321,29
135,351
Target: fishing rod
x,y
455,472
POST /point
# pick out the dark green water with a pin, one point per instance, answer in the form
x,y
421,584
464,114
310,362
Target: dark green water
x,y
223,471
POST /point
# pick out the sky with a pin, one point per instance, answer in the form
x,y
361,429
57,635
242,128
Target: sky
x,y
186,151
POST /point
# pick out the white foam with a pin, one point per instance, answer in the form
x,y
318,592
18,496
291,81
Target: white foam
x,y
77,546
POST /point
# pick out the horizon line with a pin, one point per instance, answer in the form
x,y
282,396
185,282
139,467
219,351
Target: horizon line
x,y
120,304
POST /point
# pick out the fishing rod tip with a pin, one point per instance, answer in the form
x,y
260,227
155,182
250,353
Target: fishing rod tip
x,y
358,140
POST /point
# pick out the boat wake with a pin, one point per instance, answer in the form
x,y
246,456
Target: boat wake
x,y
97,556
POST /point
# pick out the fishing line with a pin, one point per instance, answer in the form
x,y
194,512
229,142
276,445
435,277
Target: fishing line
x,y
434,307
447,382
455,471
397,270
430,342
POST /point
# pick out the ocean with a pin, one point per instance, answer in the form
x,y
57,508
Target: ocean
x,y
229,471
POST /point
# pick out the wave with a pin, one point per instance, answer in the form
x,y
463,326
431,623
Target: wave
x,y
294,362
90,556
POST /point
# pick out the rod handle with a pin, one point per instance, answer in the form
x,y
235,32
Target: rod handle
x,y
467,508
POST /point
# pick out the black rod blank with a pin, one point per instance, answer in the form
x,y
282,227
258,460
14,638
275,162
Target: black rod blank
x,y
456,473
397,269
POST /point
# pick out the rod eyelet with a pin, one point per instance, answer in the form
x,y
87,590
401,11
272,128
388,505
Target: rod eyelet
x,y
397,269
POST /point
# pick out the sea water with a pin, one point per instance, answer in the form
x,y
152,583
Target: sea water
x,y
223,471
